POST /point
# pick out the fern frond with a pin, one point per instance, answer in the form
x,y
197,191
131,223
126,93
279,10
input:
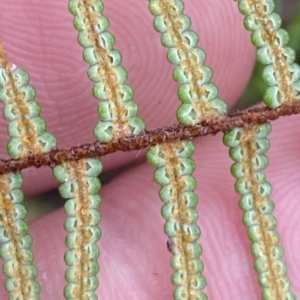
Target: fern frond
x,y
80,184
248,145
174,173
198,94
29,136
118,111
174,164
173,160
26,127
16,241
247,148
282,74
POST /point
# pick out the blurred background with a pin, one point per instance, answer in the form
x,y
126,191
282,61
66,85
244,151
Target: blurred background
x,y
289,10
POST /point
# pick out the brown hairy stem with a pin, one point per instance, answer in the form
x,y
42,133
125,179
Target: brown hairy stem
x,y
150,138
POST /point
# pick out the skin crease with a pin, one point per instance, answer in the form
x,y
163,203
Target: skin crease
x,y
134,258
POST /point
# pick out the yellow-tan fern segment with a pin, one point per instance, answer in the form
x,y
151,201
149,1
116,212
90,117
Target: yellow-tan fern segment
x,y
181,213
106,72
273,277
276,51
80,271
188,61
20,270
15,97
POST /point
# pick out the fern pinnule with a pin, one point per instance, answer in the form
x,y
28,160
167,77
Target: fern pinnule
x,y
247,148
26,128
249,145
117,110
80,185
16,241
198,94
281,73
174,173
174,164
118,113
29,136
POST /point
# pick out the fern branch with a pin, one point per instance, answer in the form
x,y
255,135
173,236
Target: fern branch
x,y
118,113
247,148
249,144
281,74
16,242
26,127
149,138
117,110
29,136
81,186
174,173
198,94
173,161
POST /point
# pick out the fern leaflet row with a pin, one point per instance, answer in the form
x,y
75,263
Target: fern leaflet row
x,y
28,136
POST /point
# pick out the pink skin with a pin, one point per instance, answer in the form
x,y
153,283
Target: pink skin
x,y
134,257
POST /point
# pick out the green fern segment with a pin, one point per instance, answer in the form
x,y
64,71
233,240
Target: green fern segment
x,y
80,184
29,136
118,111
198,95
281,74
26,127
247,148
174,173
16,241
200,100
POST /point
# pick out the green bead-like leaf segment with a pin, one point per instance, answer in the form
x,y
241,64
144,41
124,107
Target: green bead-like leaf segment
x,y
200,100
247,148
118,111
26,127
29,136
198,95
16,241
281,73
174,173
80,184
